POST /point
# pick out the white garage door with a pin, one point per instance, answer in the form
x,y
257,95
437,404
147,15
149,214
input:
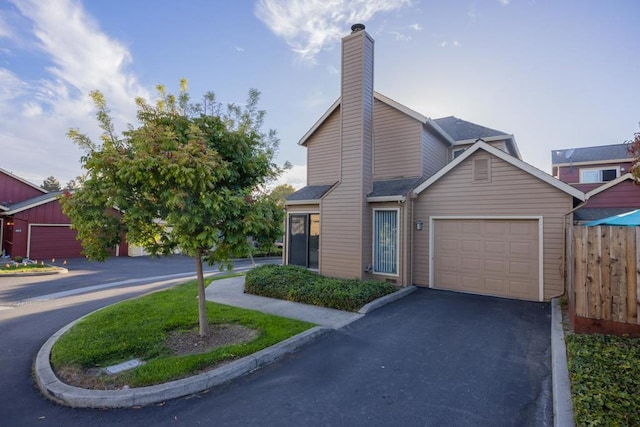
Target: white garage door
x,y
498,257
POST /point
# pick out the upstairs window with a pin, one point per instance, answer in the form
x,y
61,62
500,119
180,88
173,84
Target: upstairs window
x,y
590,176
456,153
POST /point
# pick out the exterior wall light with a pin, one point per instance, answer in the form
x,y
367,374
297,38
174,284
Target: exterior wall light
x,y
419,225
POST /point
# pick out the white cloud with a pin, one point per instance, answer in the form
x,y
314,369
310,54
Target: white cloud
x,y
443,44
416,27
333,70
456,43
80,58
296,176
505,2
5,30
239,49
309,26
400,37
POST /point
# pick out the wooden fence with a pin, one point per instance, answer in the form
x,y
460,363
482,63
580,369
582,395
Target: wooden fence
x,y
603,280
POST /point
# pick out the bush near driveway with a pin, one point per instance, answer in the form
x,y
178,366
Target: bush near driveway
x,y
605,379
298,284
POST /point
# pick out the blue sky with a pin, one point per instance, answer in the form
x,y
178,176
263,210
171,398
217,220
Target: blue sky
x,y
556,74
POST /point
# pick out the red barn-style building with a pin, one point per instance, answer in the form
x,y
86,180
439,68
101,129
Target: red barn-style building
x,y
32,224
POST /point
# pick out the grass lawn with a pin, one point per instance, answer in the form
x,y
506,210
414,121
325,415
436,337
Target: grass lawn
x,y
139,328
298,284
7,268
605,379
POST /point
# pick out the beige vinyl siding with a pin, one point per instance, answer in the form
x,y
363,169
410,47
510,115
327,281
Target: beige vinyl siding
x,y
434,153
397,143
511,192
345,226
323,152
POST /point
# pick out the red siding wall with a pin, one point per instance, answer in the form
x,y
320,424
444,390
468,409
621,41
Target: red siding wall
x,y
624,195
15,191
571,174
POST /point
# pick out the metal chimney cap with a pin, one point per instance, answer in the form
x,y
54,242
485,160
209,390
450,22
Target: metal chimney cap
x,y
357,27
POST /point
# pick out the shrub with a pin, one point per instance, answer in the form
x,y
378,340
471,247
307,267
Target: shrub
x,y
605,379
298,284
18,259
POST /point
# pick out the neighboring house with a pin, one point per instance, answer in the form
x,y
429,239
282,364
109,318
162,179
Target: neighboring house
x,y
32,224
587,168
602,172
445,203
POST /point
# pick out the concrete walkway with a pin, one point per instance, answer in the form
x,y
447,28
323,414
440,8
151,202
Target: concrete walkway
x,y
231,292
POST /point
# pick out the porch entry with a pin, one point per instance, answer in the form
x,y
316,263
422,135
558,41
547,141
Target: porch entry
x,y
304,239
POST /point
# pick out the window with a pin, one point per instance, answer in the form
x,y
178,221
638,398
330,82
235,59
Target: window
x,y
589,176
456,153
385,241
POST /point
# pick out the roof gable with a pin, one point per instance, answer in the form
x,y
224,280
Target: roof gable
x,y
390,102
481,145
24,181
613,183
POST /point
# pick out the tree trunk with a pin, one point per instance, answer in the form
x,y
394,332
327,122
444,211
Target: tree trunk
x,y
202,303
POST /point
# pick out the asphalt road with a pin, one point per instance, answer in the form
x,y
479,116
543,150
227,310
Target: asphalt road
x,y
432,359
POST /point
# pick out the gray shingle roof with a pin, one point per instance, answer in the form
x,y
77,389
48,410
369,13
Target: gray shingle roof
x,y
591,214
310,192
34,201
461,130
590,154
394,187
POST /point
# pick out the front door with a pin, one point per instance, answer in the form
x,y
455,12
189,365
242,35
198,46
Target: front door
x,y
304,240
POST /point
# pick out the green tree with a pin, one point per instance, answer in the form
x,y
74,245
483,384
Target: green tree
x,y
51,184
190,176
634,150
74,184
280,193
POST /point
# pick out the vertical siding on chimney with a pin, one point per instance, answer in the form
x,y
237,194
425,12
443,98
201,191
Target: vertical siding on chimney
x,y
346,217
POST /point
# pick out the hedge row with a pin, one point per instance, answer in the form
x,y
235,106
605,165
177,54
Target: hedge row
x,y
301,285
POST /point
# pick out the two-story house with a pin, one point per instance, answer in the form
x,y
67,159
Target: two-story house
x,y
602,172
394,195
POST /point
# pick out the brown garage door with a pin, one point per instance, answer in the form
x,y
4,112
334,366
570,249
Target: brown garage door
x,y
487,256
53,242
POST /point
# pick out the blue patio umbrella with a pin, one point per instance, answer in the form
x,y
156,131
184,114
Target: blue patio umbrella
x,y
629,219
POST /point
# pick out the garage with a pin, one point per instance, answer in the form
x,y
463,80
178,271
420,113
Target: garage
x,y
53,241
488,256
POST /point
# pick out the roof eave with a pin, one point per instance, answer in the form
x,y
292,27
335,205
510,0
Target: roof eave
x,y
302,202
316,125
380,199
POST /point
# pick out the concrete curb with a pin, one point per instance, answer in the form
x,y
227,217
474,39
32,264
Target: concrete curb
x,y
382,301
77,397
562,403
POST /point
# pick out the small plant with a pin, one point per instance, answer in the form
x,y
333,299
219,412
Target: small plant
x,y
293,283
18,259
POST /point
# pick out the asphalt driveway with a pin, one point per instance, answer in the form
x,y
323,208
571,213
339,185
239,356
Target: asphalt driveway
x,y
434,358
